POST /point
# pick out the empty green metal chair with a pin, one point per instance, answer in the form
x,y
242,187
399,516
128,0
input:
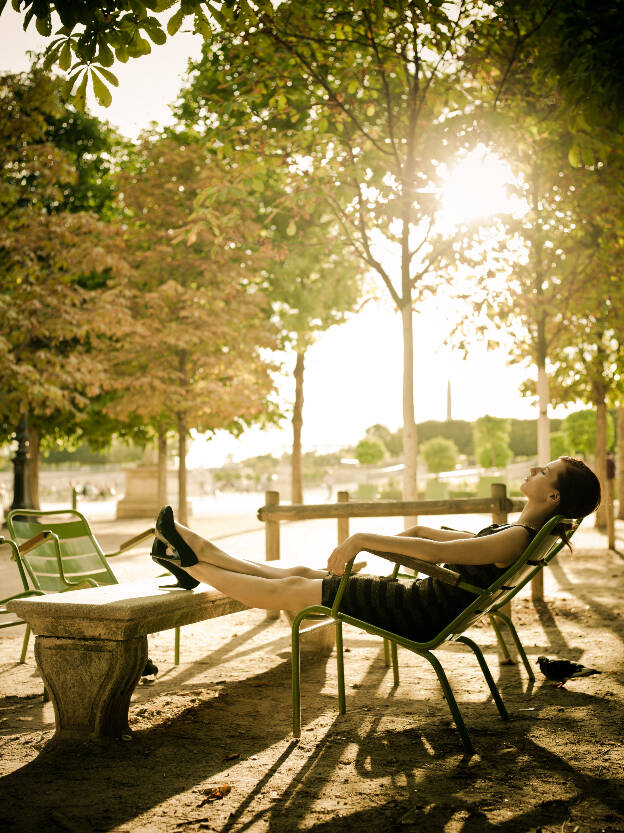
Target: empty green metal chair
x,y
60,552
27,591
487,601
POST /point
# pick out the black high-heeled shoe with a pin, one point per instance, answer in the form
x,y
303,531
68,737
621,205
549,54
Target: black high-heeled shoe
x,y
159,555
166,530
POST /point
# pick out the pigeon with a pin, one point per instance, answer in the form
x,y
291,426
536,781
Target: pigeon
x,y
562,670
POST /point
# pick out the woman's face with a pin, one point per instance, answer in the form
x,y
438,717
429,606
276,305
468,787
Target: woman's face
x,y
541,482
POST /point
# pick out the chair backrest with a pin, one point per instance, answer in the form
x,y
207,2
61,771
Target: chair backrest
x,y
540,552
77,556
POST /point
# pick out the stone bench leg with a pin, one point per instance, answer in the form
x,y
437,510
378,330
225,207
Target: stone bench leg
x,y
90,682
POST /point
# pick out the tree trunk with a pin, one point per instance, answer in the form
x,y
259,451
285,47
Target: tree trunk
x,y
182,499
410,437
32,468
600,465
296,490
162,466
543,425
619,461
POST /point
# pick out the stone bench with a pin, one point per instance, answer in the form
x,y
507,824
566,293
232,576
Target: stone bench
x,y
91,646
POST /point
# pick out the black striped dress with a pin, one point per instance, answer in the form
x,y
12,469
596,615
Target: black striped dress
x,y
417,609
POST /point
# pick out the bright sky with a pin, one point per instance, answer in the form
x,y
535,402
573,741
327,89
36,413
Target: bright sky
x,y
354,373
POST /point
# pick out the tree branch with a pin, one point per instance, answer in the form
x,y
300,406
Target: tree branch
x,y
318,77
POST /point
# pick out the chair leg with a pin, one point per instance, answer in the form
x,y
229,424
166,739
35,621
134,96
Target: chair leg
x,y
499,638
176,647
22,658
342,700
295,683
516,639
488,676
450,699
395,662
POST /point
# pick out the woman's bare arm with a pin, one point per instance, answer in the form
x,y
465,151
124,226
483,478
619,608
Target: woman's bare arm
x,y
432,534
501,549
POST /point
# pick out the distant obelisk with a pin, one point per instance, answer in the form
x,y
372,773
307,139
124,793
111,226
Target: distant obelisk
x,y
448,402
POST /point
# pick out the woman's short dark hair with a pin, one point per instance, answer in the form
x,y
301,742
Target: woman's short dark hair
x,y
579,489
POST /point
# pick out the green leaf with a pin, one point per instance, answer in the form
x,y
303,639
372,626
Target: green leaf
x,y
110,76
105,55
51,55
175,22
27,18
102,93
157,35
202,26
291,228
44,26
370,110
574,156
80,96
64,60
121,53
69,84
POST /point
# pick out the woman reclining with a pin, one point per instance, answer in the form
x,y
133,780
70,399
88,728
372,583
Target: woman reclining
x,y
416,609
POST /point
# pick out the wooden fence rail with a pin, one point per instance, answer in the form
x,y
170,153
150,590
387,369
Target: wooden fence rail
x,y
498,505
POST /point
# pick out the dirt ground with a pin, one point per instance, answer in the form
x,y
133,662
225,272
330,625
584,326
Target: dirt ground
x,y
212,747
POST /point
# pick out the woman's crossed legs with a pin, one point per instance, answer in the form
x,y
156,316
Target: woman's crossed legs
x,y
252,583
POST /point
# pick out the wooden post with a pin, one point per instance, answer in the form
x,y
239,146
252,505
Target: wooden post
x,y
343,523
272,540
272,529
610,513
498,491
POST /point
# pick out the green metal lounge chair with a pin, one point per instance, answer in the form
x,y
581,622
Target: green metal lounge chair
x,y
22,595
60,552
487,601
537,562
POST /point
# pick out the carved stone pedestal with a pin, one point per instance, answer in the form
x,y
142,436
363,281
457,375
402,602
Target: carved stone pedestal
x,y
141,494
90,683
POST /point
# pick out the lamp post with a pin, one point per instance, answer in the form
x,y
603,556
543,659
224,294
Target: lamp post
x,y
21,487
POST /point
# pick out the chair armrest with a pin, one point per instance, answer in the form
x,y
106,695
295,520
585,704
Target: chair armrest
x,y
35,541
133,542
23,595
434,570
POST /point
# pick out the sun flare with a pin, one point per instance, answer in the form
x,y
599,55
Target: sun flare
x,y
475,187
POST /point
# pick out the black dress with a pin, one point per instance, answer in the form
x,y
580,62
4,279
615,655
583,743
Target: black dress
x,y
417,609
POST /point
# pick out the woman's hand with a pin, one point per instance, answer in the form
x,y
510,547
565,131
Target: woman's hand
x,y
343,554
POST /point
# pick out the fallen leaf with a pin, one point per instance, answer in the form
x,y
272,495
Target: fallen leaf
x,y
215,794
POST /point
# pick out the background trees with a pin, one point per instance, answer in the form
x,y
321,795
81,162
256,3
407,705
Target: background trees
x,y
197,353
62,267
440,454
357,101
491,441
337,118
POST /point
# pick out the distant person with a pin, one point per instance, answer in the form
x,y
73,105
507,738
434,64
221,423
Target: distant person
x,y
329,485
416,609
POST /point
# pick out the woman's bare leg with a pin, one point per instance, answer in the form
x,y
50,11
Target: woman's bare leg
x,y
289,592
209,553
